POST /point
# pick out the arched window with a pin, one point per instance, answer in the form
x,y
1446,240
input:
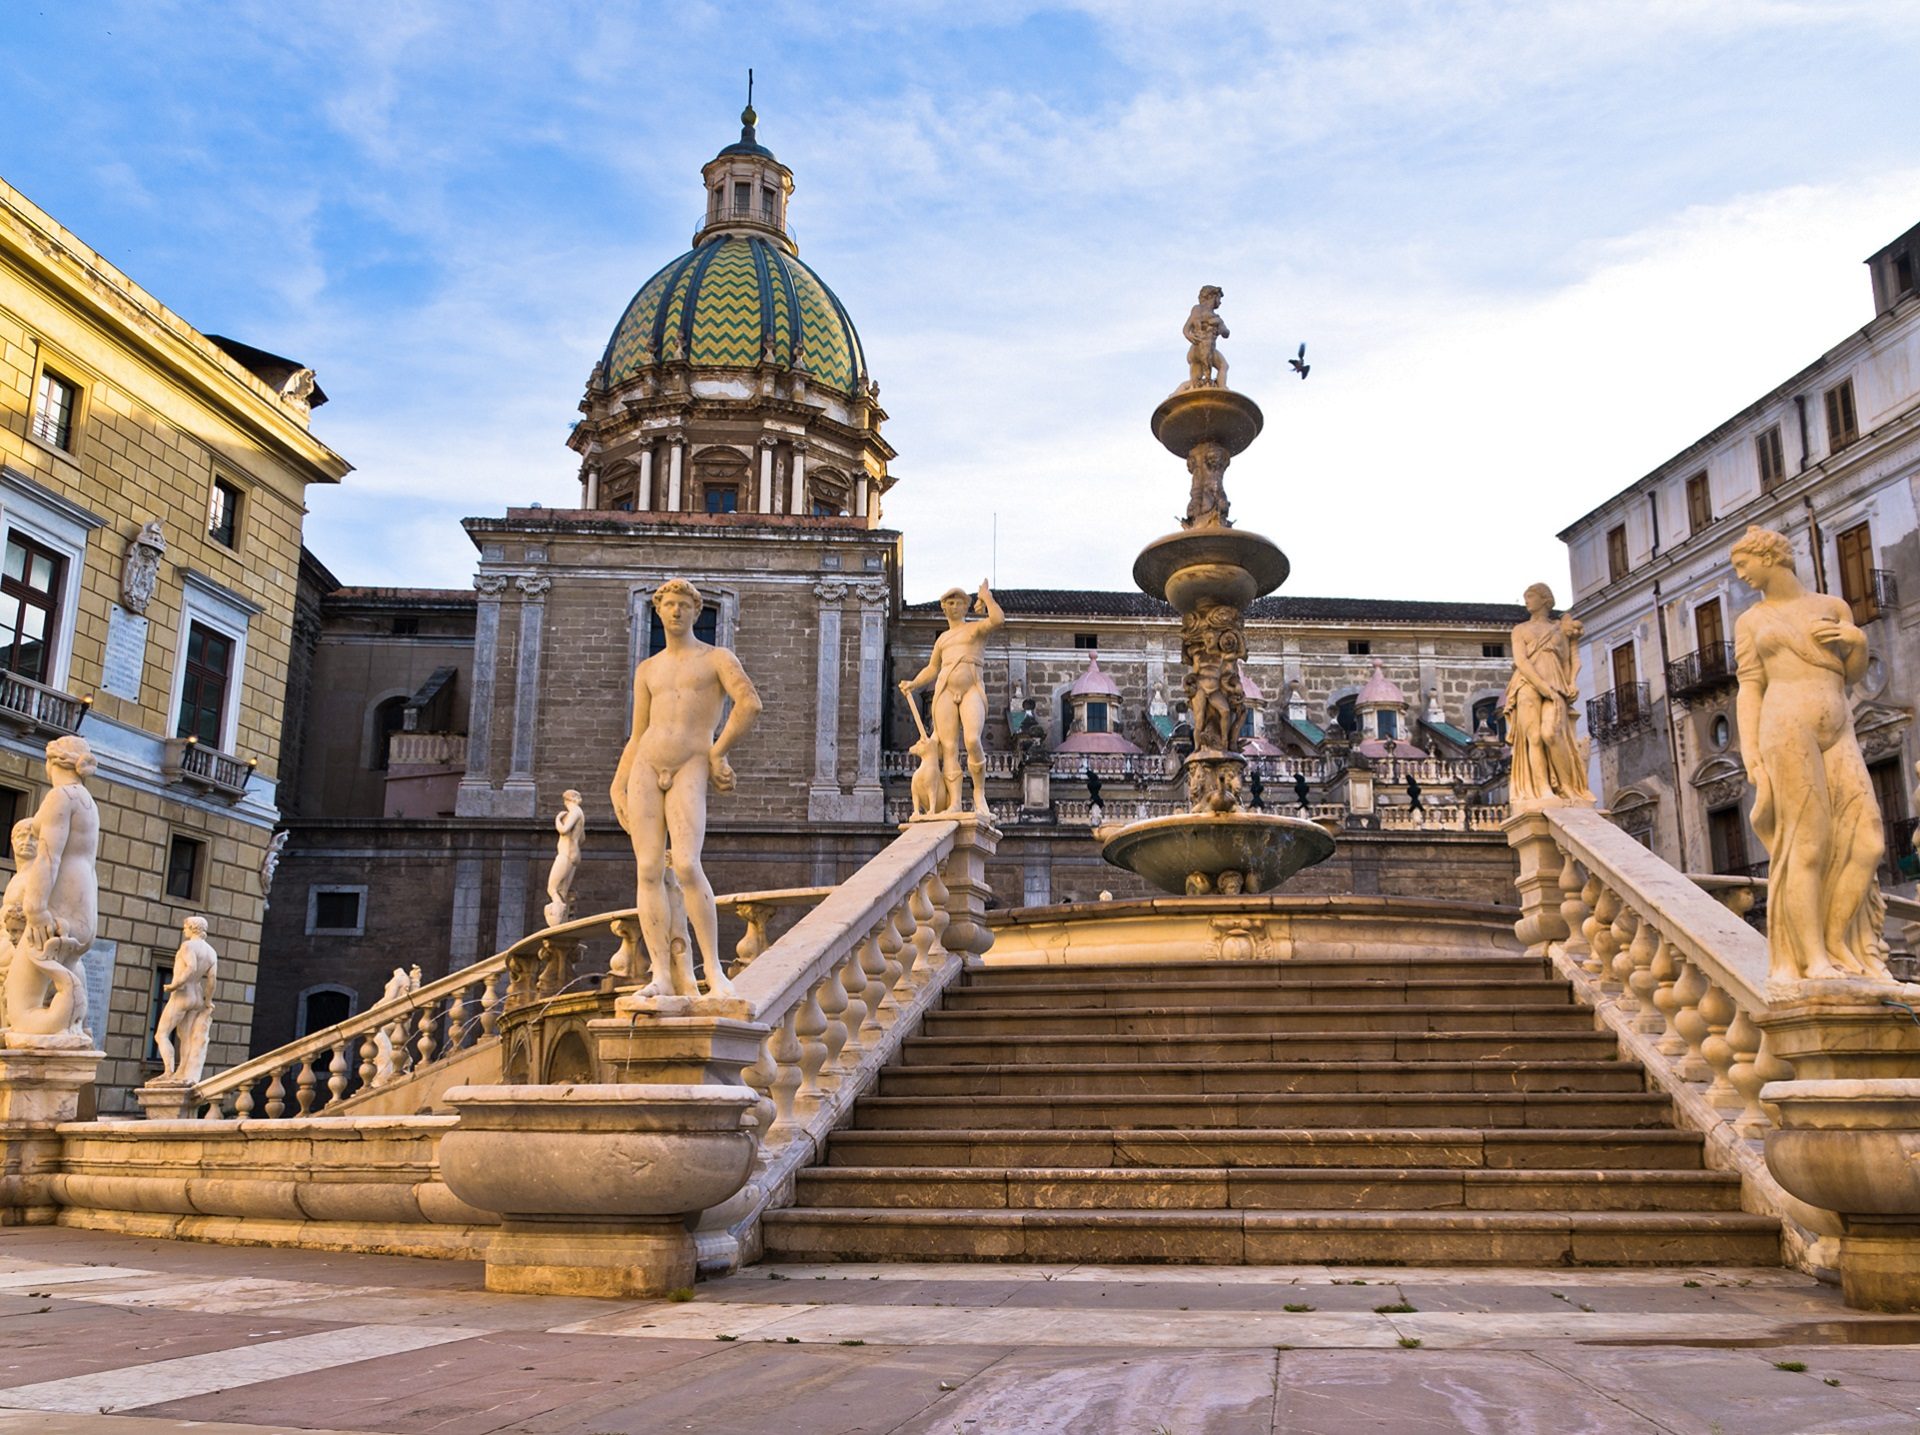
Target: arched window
x,y
704,628
387,720
1347,715
323,1006
827,492
1486,713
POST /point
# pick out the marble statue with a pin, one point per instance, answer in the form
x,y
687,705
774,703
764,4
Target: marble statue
x,y
1207,500
929,789
1212,643
570,823
189,1009
59,897
671,759
297,391
959,691
1206,365
1813,807
391,1038
269,865
13,910
1541,708
140,571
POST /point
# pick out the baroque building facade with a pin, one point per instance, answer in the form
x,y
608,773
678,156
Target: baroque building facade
x,y
731,434
152,491
1831,459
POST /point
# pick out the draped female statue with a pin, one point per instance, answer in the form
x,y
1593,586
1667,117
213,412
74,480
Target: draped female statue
x,y
1813,808
1548,764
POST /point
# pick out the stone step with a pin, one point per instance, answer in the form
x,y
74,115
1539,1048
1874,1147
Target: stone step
x,y
1208,1078
1258,996
1461,1148
1276,1237
1230,1110
1169,1020
1266,1189
1584,1045
1493,966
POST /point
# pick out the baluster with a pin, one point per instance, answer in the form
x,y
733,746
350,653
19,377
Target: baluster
x,y
891,970
306,1087
276,1095
760,1076
1745,1077
1689,1024
926,940
1718,1008
906,928
337,1072
424,1044
369,1058
1768,1067
874,964
216,1109
1573,910
493,996
1666,1001
456,1020
853,982
243,1102
1620,963
809,1029
1600,945
1640,979
785,1051
832,998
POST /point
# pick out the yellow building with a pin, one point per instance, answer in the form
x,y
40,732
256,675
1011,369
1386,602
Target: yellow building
x,y
152,488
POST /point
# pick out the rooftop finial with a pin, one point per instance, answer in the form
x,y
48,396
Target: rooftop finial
x,y
747,117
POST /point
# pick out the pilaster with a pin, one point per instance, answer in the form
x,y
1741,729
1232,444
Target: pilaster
x,y
474,798
518,796
824,795
869,799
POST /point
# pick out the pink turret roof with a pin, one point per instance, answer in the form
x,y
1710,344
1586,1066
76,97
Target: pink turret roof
x,y
1093,683
1380,691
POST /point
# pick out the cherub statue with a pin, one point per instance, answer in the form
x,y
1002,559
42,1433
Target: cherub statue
x,y
1206,365
1212,708
189,1009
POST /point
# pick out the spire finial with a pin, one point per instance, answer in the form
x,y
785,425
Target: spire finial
x,y
747,117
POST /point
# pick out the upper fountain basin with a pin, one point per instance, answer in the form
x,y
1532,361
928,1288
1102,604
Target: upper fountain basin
x,y
1229,565
1206,415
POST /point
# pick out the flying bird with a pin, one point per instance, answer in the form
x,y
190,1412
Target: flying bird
x,y
1299,362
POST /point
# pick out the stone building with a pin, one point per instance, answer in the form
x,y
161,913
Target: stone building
x,y
1830,458
731,435
152,490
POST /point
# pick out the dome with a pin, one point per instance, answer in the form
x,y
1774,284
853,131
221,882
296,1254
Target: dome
x,y
1380,691
731,302
1093,683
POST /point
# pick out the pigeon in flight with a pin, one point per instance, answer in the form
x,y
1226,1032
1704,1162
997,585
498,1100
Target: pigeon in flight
x,y
1299,362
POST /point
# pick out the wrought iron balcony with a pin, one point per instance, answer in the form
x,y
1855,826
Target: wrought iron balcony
x,y
716,215
193,763
1882,596
1613,715
35,707
1698,674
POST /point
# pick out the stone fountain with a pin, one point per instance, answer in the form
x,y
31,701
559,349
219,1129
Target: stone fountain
x,y
1210,571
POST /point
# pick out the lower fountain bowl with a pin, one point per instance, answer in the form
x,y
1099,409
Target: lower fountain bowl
x,y
1264,847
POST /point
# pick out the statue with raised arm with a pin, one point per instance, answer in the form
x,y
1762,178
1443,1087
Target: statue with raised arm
x,y
570,823
1204,329
1541,706
188,1013
959,691
660,788
58,896
1813,805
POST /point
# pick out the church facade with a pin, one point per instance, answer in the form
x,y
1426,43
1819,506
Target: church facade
x,y
731,434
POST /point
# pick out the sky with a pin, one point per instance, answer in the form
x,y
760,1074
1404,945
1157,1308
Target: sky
x,y
1533,248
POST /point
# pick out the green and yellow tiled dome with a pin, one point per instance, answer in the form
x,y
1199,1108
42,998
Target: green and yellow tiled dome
x,y
720,303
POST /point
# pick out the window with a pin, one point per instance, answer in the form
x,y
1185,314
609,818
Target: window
x,y
1699,503
1727,841
1843,424
13,806
1389,722
1773,459
406,627
1889,789
203,696
1346,715
1486,714
223,514
723,499
1709,634
336,911
1902,273
1493,650
742,196
824,510
322,1007
1359,647
30,582
1625,671
1855,547
704,628
158,977
186,866
1096,717
53,406
1086,640
766,204
1616,552
388,719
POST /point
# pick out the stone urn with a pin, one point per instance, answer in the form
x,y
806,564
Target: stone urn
x,y
594,1185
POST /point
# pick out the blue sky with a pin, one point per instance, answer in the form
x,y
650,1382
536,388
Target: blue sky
x,y
1534,248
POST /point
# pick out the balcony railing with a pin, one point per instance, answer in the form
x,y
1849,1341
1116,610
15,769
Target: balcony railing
x,y
1882,596
193,763
427,749
1700,673
743,214
39,708
1613,715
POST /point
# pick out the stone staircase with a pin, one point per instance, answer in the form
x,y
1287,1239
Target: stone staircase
x,y
1406,1109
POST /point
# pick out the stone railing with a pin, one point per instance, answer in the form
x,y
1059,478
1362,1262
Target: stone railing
x,y
904,764
427,749
1441,817
35,707
1676,974
838,992
192,762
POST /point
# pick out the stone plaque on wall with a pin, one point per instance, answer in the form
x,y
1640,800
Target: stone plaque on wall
x,y
96,964
126,654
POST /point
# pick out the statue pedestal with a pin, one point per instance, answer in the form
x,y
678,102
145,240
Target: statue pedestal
x,y
39,1088
700,1049
168,1101
1848,1135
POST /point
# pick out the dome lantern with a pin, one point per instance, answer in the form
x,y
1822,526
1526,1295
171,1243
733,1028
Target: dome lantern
x,y
747,188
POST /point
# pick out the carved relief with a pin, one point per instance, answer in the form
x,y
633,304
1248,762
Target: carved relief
x,y
140,573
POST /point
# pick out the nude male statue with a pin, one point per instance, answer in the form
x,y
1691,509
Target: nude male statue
x,y
660,787
189,1008
959,694
59,898
1206,365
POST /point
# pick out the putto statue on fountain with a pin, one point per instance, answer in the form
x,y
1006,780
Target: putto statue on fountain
x,y
53,906
1204,329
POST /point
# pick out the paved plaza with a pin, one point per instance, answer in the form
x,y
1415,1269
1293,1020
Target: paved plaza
x,y
123,1336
